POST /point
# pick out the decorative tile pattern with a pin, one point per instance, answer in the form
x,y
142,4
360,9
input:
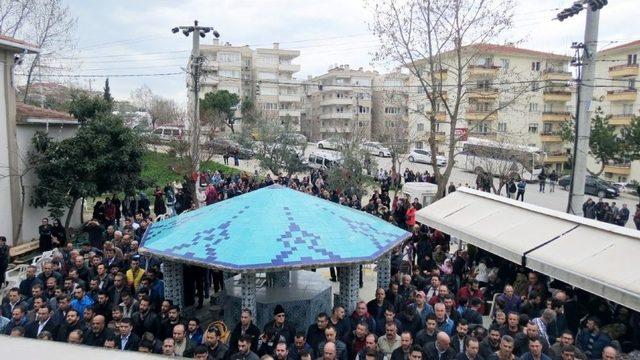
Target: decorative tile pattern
x,y
173,282
384,271
349,277
248,290
272,228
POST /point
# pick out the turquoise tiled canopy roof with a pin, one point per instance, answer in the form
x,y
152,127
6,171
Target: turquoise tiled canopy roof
x,y
273,228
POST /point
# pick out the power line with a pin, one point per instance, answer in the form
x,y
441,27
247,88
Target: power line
x,y
104,75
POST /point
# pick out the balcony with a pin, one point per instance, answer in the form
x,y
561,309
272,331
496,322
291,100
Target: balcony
x,y
481,115
484,93
440,135
556,75
620,120
550,137
556,95
555,158
336,101
442,74
622,95
623,70
290,112
289,67
483,70
489,135
343,115
618,169
289,98
556,116
441,116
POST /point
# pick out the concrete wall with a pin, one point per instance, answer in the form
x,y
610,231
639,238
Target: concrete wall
x,y
32,216
5,187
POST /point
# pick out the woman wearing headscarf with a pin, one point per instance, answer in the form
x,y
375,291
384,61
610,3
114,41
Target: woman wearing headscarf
x,y
159,208
58,234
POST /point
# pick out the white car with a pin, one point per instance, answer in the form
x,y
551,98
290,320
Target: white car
x,y
375,148
424,156
330,143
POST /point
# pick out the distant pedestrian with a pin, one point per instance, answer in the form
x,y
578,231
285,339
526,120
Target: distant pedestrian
x,y
4,259
521,188
542,178
636,217
236,154
622,216
553,179
225,157
511,189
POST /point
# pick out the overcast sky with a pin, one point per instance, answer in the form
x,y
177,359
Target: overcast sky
x,y
134,37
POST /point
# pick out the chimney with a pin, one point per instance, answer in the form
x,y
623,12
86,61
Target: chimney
x,y
276,45
216,41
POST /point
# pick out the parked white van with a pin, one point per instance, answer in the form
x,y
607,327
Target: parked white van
x,y
324,161
169,133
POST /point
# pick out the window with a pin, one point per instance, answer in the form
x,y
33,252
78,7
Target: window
x,y
419,145
504,63
235,74
484,84
482,106
502,127
533,128
392,110
340,109
267,75
535,66
341,95
535,86
269,106
264,90
363,109
533,107
547,128
632,59
548,107
482,128
632,84
627,109
227,57
420,127
339,81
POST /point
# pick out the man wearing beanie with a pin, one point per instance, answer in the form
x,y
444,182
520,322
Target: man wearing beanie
x,y
280,326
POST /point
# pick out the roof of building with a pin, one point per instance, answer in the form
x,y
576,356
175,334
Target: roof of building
x,y
513,50
16,44
25,112
597,257
620,47
272,228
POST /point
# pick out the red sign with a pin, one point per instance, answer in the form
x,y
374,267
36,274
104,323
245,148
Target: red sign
x,y
461,134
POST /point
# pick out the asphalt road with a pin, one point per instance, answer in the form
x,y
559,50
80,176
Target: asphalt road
x,y
553,200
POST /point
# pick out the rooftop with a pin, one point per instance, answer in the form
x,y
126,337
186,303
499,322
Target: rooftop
x,y
632,44
25,112
272,228
513,50
8,42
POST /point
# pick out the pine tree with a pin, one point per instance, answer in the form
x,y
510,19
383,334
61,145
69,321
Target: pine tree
x,y
107,92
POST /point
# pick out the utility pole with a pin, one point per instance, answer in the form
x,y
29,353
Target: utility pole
x,y
586,83
195,65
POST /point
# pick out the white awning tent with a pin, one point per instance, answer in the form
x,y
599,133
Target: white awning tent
x,y
597,257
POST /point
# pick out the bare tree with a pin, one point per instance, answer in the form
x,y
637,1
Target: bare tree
x,y
48,24
438,41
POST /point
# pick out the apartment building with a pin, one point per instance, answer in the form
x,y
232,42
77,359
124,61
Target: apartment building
x,y
529,88
390,112
264,75
617,95
339,104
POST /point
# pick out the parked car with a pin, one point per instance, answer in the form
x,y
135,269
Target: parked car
x,y
375,148
330,143
424,156
592,186
225,145
323,161
169,133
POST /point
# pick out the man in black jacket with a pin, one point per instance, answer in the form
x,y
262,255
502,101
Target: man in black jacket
x,y
44,322
145,320
4,258
72,322
458,341
315,332
440,349
98,333
404,351
280,325
472,349
216,349
127,340
245,327
491,343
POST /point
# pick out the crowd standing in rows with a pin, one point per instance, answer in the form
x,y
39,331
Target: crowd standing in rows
x,y
105,293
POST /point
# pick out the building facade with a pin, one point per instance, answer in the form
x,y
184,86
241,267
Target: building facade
x,y
339,104
264,75
511,95
390,111
617,95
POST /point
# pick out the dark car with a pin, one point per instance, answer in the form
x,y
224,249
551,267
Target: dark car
x,y
224,145
592,186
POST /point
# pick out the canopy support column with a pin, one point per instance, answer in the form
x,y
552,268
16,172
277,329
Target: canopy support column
x,y
384,271
248,289
349,277
174,282
278,278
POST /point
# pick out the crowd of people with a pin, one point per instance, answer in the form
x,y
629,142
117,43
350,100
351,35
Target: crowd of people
x,y
610,213
105,293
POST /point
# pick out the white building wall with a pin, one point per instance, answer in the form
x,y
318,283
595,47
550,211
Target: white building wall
x,y
5,199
